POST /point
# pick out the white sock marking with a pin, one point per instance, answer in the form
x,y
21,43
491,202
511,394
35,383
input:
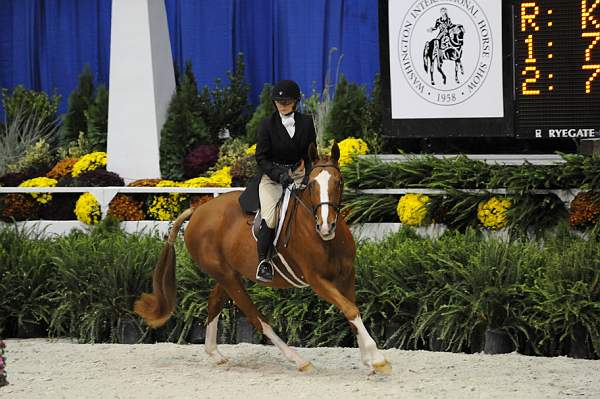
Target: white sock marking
x,y
210,341
288,352
368,349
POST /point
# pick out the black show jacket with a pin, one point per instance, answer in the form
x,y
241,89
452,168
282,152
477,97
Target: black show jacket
x,y
274,144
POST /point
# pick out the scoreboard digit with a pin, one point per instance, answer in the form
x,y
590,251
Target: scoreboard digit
x,y
557,68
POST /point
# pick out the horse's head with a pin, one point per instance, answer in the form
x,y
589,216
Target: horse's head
x,y
325,191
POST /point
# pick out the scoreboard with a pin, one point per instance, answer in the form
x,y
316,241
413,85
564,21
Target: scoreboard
x,y
541,78
557,61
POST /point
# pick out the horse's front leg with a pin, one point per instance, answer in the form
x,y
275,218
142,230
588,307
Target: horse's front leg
x,y
236,291
456,66
371,356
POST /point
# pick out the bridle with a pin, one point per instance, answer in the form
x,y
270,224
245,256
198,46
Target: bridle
x,y
314,208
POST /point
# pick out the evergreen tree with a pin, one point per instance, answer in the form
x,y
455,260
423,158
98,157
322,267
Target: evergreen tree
x,y
184,127
226,107
264,110
74,121
347,115
374,114
97,120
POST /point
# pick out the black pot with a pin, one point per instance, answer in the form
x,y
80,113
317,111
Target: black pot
x,y
244,331
129,332
197,333
436,344
580,347
497,342
31,329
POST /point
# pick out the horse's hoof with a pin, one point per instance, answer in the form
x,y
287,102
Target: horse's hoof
x,y
382,368
306,368
222,361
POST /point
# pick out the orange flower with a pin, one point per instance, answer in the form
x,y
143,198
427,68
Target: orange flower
x,y
62,168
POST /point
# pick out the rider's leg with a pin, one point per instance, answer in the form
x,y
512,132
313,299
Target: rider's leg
x,y
269,193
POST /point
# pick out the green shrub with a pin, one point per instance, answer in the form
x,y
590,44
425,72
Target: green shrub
x,y
74,120
97,120
226,108
26,291
264,110
347,115
184,127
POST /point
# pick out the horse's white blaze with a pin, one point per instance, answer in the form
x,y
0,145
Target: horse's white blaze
x,y
323,180
288,352
368,348
210,341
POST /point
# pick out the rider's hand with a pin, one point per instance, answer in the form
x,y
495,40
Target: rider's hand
x,y
285,179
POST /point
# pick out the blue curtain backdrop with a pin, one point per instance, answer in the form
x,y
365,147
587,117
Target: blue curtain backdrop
x,y
44,44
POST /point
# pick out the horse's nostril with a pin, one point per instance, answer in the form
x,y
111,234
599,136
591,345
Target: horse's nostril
x,y
332,226
318,226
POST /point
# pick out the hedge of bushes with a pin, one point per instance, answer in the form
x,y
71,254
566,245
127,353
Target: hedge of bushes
x,y
412,292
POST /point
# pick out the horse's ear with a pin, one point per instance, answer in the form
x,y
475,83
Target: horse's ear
x,y
313,154
335,152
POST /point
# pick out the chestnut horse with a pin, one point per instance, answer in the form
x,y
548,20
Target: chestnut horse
x,y
321,252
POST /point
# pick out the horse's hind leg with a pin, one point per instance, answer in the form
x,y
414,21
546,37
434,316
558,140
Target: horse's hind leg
x,y
216,301
236,291
368,349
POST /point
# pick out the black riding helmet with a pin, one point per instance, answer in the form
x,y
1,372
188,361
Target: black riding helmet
x,y
285,90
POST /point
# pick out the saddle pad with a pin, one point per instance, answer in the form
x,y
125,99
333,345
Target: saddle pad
x,y
282,208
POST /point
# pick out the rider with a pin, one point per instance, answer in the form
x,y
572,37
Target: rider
x,y
443,23
283,140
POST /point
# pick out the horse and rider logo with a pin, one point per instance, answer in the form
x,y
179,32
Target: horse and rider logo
x,y
445,50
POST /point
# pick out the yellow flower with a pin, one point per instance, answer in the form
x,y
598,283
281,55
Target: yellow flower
x,y
42,198
251,150
87,209
350,147
167,207
89,162
222,177
412,209
492,213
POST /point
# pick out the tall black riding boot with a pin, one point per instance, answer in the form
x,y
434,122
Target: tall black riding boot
x,y
264,272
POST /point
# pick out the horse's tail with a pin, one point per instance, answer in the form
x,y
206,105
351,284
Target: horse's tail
x,y
156,308
425,51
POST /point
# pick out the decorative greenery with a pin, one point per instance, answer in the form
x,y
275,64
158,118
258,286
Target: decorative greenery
x,y
24,128
410,291
97,120
17,207
184,127
226,108
124,207
166,207
264,110
492,213
74,121
42,198
87,209
347,114
39,156
200,159
62,168
412,209
585,210
351,147
89,162
98,178
36,105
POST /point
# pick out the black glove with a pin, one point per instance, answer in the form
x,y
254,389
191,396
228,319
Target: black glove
x,y
285,179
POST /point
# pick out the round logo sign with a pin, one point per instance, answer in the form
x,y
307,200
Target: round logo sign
x,y
445,50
